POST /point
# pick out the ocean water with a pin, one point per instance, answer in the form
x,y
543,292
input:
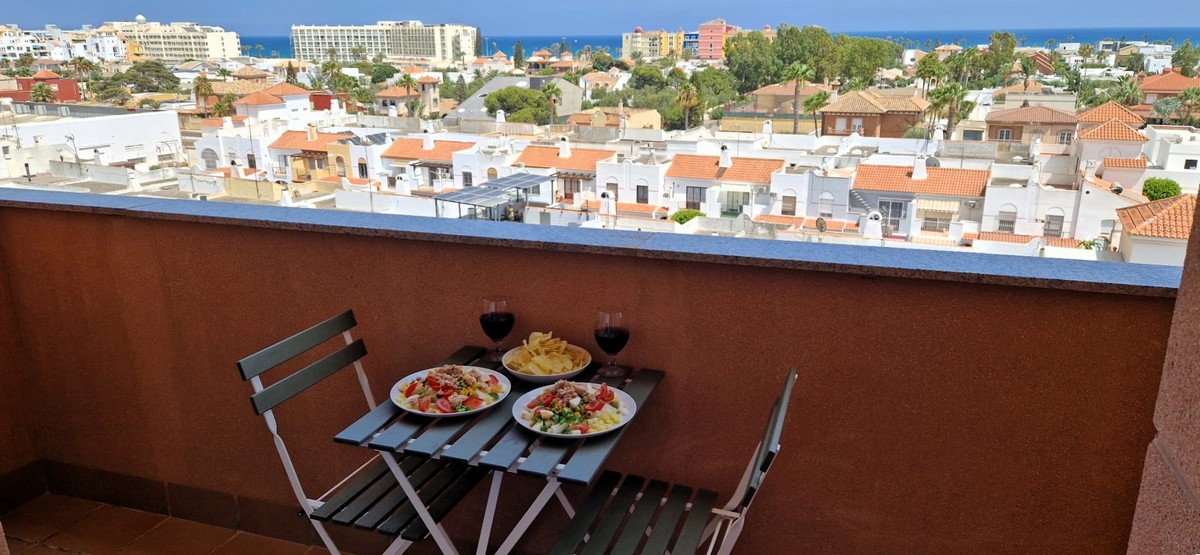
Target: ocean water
x,y
1032,37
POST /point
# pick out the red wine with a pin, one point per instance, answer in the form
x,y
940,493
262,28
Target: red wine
x,y
612,340
497,325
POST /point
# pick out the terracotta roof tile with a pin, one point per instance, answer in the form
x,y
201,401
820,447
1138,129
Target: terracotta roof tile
x,y
218,122
1169,218
1112,130
1031,114
1132,163
1022,87
867,102
286,89
628,207
744,170
258,99
1109,111
808,89
581,159
429,79
46,74
250,72
940,181
1169,81
1002,237
298,140
414,149
397,92
240,87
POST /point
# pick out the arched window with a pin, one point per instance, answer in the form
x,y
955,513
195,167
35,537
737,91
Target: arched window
x,y
1054,222
1006,221
341,166
251,161
613,188
210,159
362,168
492,173
825,209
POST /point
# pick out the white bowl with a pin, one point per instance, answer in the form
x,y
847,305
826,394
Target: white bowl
x,y
548,378
627,403
399,399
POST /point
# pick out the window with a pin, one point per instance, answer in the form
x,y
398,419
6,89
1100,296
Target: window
x,y
1007,222
734,201
210,159
840,124
789,206
251,162
362,168
643,194
312,164
1054,226
825,209
1064,137
570,188
535,190
340,163
468,179
283,162
856,125
1189,164
695,197
893,212
1004,135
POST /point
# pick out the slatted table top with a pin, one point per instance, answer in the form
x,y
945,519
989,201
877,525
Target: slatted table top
x,y
492,439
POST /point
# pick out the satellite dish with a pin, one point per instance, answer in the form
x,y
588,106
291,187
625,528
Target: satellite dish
x,y
1117,188
821,225
875,216
933,162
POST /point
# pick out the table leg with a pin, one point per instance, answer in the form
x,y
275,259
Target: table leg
x,y
489,514
527,519
435,529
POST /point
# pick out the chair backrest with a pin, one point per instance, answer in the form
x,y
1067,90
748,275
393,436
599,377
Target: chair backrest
x,y
769,447
253,366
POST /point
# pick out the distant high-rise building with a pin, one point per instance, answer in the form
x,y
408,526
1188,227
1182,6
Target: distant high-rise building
x,y
176,42
652,44
411,41
712,39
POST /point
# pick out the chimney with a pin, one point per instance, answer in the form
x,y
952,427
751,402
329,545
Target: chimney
x,y
1025,103
500,116
726,158
919,171
312,132
392,111
427,143
227,122
767,129
1089,170
564,147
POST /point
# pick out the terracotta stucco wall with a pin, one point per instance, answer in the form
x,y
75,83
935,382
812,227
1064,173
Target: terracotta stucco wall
x,y
1168,508
930,416
16,445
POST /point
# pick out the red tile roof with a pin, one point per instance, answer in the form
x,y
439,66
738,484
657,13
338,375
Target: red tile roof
x,y
744,170
414,149
46,74
286,89
581,159
1001,237
1112,130
1169,218
940,181
258,99
1030,115
1109,111
628,207
1169,82
869,102
1132,163
298,140
789,89
397,92
218,122
428,79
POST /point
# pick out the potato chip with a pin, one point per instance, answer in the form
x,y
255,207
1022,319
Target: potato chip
x,y
545,355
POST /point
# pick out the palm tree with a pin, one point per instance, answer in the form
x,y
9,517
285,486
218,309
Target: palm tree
x,y
1085,52
799,73
224,73
329,71
1166,108
1027,71
552,93
202,88
149,103
274,53
332,54
814,103
42,92
687,100
363,97
951,97
258,50
225,106
1126,91
358,53
1190,98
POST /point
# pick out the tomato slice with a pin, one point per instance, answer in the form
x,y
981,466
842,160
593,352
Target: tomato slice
x,y
583,429
423,404
492,380
444,406
408,391
605,394
535,403
431,382
473,403
594,406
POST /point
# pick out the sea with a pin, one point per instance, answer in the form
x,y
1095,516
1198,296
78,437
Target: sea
x,y
1028,37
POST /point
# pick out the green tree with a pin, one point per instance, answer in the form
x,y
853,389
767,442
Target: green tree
x,y
602,61
1000,56
861,57
358,52
951,96
381,72
647,78
799,74
363,98
331,54
203,89
526,105
149,76
1167,107
1186,57
460,89
686,215
1158,188
1028,70
42,92
810,45
258,50
813,104
478,43
687,100
1125,91
553,95
224,73
928,69
290,74
1190,99
751,60
715,86
224,107
25,61
149,103
518,55
274,53
1086,51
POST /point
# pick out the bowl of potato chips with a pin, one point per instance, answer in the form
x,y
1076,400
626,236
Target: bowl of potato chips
x,y
545,359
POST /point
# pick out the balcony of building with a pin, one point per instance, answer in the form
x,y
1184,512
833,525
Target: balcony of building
x,y
947,402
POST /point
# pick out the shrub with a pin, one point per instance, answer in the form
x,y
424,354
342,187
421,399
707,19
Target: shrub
x,y
1158,188
685,216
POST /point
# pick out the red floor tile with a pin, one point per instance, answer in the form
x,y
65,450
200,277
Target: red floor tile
x,y
247,544
45,516
179,537
105,531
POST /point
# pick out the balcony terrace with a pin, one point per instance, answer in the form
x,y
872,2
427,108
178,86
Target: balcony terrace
x,y
947,402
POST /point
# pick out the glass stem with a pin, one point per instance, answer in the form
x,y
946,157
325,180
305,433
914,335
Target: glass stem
x,y
612,361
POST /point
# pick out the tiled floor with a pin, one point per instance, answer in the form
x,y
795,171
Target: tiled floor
x,y
57,525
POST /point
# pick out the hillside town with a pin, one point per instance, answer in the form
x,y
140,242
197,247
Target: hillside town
x,y
1063,150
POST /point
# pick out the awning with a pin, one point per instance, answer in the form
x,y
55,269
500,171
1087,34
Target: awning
x,y
480,196
433,164
937,205
523,181
312,155
576,175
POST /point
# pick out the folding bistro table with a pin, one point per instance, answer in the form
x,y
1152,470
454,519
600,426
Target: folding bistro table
x,y
432,463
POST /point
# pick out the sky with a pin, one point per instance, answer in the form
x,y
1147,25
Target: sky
x,y
275,17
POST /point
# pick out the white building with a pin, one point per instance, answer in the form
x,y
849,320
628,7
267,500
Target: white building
x,y
1174,153
413,41
98,134
175,42
1157,232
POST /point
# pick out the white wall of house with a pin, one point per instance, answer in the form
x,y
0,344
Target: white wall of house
x,y
1153,250
367,199
1099,150
1097,212
1032,204
628,176
483,163
107,139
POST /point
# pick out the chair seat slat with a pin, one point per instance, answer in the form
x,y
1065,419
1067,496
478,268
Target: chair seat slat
x,y
462,479
349,491
697,519
668,519
614,515
585,513
635,528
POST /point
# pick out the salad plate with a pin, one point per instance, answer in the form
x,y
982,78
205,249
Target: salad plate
x,y
574,410
450,390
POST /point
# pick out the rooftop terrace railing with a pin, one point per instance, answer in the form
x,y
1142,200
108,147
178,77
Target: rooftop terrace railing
x,y
947,402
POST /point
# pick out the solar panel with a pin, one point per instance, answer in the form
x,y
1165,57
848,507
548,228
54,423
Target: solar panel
x,y
483,196
523,181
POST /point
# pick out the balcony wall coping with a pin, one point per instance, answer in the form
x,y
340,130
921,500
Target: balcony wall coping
x,y
989,269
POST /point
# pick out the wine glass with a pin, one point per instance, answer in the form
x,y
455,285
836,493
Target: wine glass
x,y
497,322
612,333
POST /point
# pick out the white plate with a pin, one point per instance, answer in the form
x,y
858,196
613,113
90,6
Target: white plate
x,y
626,402
549,378
398,399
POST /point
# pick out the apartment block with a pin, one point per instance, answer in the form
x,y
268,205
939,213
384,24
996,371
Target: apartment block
x,y
412,41
173,43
